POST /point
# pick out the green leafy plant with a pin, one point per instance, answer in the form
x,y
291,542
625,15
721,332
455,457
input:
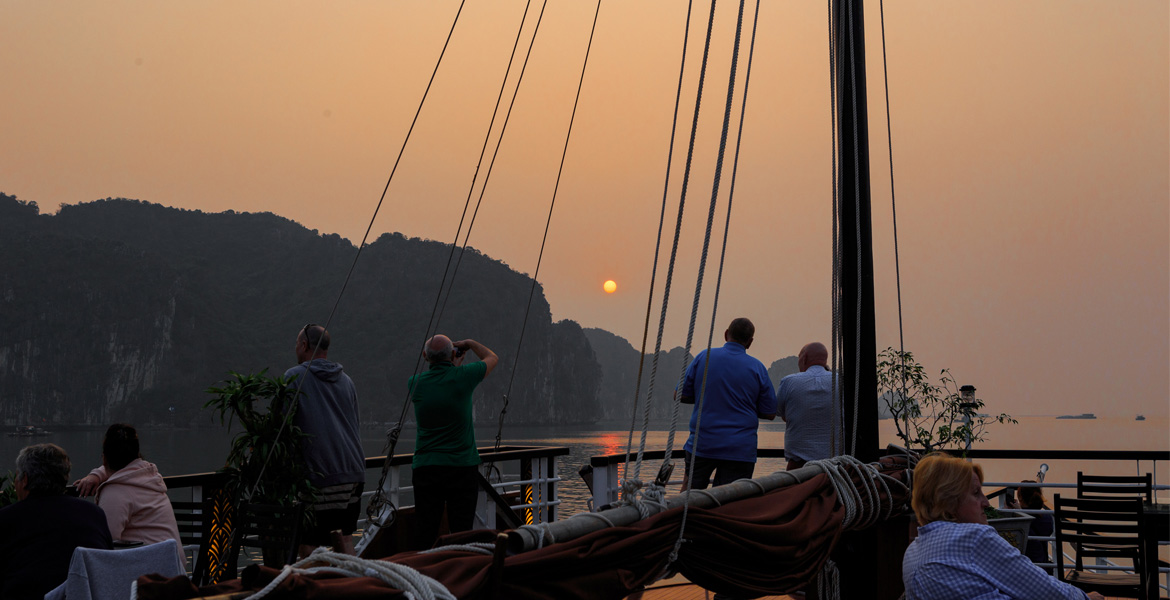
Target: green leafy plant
x,y
265,463
7,489
929,416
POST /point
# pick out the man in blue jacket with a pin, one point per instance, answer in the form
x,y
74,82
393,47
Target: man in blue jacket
x,y
733,393
327,410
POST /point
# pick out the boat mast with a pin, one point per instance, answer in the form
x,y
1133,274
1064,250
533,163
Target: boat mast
x,y
859,341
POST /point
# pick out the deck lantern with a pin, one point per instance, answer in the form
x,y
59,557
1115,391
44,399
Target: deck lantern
x,y
967,405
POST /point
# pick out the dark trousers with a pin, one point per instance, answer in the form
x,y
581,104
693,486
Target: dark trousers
x,y
454,489
726,471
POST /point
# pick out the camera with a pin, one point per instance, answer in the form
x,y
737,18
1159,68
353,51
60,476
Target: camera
x,y
460,352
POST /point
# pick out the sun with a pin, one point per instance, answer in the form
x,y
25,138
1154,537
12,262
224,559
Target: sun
x,y
609,286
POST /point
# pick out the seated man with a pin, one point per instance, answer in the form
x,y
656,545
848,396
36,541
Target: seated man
x,y
130,491
957,555
39,533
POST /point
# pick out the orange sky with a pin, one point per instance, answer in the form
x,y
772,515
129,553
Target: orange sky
x,y
1031,149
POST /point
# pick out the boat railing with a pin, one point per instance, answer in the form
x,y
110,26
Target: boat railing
x,y
603,474
524,477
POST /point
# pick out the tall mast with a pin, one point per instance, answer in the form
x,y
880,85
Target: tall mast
x,y
859,342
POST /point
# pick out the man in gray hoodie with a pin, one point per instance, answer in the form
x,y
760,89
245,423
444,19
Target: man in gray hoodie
x,y
327,410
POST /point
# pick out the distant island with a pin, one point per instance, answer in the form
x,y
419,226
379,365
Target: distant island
x,y
1080,416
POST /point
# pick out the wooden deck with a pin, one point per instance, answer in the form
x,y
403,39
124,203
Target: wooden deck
x,y
680,588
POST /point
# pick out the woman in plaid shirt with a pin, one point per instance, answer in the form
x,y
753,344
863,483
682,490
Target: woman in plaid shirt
x,y
957,554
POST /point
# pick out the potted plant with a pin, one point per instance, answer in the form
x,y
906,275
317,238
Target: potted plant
x,y
265,464
7,489
929,416
933,416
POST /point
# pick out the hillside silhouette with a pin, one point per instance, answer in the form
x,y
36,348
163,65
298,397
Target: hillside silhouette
x,y
124,310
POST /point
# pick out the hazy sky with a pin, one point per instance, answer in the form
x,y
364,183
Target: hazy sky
x,y
1031,145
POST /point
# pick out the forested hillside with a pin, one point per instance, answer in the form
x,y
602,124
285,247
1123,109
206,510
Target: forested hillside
x,y
124,310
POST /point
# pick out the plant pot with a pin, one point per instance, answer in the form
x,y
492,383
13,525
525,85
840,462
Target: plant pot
x,y
1013,527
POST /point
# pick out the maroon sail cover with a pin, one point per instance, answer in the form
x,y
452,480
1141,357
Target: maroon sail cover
x,y
770,544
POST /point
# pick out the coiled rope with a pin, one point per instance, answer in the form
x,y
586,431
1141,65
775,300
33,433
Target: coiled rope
x,y
415,585
862,503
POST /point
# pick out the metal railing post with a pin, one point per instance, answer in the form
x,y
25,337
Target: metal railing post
x,y
601,483
550,490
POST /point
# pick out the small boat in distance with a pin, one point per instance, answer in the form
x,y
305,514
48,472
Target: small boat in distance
x,y
1140,418
29,431
1080,416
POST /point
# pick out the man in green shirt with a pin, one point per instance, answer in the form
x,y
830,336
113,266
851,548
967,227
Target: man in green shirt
x,y
445,457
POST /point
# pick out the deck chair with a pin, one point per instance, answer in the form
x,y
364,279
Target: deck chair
x,y
1105,487
109,574
1110,529
275,530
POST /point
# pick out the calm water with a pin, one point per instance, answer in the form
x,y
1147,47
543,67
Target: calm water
x,y
195,450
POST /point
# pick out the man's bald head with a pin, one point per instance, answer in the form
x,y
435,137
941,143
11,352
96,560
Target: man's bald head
x,y
812,355
439,349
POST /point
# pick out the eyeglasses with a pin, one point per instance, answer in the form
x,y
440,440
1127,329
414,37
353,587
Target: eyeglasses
x,y
305,332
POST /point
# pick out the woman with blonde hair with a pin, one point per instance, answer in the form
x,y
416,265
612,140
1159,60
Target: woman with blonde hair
x,y
957,555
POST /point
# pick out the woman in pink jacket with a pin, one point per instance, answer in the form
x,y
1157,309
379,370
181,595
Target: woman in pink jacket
x,y
130,491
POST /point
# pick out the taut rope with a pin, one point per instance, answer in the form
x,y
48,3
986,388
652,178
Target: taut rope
x,y
703,263
378,500
653,278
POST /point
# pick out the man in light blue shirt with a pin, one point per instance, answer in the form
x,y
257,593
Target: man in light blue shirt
x,y
805,402
734,393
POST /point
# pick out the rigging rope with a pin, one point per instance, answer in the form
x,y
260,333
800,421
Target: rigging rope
x,y
703,261
893,197
378,501
677,231
654,274
631,485
495,151
673,257
857,224
835,292
552,204
894,217
361,246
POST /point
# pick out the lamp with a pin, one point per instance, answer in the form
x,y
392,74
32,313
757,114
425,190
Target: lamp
x,y
967,404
